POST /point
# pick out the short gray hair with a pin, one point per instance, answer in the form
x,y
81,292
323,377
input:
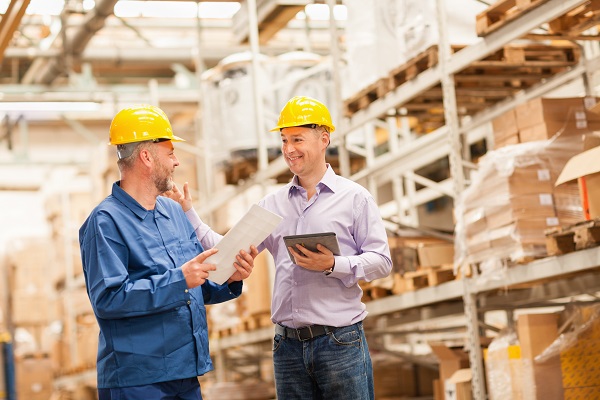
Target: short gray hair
x,y
128,152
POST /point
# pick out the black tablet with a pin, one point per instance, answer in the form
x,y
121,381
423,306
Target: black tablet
x,y
310,241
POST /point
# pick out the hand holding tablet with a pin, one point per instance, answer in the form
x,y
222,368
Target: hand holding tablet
x,y
310,241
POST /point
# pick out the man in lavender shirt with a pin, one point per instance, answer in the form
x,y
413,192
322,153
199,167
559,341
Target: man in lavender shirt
x,y
319,348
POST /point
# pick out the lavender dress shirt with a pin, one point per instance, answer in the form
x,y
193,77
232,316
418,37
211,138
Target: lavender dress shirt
x,y
302,297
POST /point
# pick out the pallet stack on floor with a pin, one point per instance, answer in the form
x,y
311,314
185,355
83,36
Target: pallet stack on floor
x,y
33,309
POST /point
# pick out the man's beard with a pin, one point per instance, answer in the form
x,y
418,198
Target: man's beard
x,y
163,180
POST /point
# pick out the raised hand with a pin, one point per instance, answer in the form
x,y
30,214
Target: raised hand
x,y
184,199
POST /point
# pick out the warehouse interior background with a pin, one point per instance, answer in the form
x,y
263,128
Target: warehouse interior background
x,y
459,116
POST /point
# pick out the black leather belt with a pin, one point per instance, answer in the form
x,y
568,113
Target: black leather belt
x,y
306,333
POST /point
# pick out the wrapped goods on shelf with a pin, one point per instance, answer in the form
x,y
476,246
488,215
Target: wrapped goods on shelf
x,y
504,368
303,73
236,100
388,33
579,351
370,35
512,201
544,118
229,120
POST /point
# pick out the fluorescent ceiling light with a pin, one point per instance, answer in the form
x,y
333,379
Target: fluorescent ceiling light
x,y
63,106
320,12
40,7
176,9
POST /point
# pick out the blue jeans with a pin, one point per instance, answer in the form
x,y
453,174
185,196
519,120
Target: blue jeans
x,y
180,389
332,366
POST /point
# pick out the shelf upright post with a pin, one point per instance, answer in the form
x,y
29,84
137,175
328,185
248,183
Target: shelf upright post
x,y
204,173
263,160
458,177
343,155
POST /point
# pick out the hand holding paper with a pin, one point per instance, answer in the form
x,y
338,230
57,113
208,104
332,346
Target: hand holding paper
x,y
250,230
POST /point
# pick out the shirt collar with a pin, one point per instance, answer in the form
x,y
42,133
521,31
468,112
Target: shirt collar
x,y
328,180
132,204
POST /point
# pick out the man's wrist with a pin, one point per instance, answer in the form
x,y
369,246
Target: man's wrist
x,y
330,270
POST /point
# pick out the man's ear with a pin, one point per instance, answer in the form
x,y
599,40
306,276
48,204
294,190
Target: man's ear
x,y
145,157
326,138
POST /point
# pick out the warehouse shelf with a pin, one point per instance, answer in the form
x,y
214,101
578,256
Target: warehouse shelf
x,y
545,268
554,274
520,285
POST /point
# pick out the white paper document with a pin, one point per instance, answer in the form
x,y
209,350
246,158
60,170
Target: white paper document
x,y
251,229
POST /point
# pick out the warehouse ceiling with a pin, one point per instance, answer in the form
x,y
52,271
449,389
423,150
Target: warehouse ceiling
x,y
83,44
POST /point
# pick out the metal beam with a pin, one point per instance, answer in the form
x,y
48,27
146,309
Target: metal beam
x,y
10,22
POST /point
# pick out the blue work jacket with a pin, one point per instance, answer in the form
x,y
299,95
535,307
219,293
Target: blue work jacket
x,y
152,327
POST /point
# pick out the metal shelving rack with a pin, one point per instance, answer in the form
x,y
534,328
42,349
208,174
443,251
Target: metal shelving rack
x,y
469,295
406,157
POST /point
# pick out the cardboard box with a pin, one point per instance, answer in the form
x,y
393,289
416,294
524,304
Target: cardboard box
x,y
506,141
532,179
582,393
435,254
32,309
404,251
458,386
34,378
507,214
536,333
586,166
505,125
259,287
555,112
451,360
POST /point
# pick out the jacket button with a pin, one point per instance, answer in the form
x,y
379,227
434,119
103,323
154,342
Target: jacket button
x,y
189,302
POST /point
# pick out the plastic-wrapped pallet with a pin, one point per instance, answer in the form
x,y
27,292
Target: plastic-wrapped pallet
x,y
389,33
504,368
512,201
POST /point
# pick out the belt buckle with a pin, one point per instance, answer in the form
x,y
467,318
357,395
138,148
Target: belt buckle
x,y
301,337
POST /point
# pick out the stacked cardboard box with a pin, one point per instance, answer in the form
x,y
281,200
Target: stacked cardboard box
x,y
543,118
536,333
512,200
34,378
451,361
580,357
412,255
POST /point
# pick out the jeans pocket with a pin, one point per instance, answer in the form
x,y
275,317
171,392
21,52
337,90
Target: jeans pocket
x,y
346,337
277,342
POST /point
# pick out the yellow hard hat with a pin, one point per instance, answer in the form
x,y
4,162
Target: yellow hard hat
x,y
140,123
302,110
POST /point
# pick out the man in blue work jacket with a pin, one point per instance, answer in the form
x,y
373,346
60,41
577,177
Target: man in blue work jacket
x,y
146,274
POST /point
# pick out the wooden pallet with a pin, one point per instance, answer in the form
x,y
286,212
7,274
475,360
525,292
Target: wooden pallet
x,y
582,235
413,67
422,278
371,292
366,96
479,86
255,321
502,12
576,21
